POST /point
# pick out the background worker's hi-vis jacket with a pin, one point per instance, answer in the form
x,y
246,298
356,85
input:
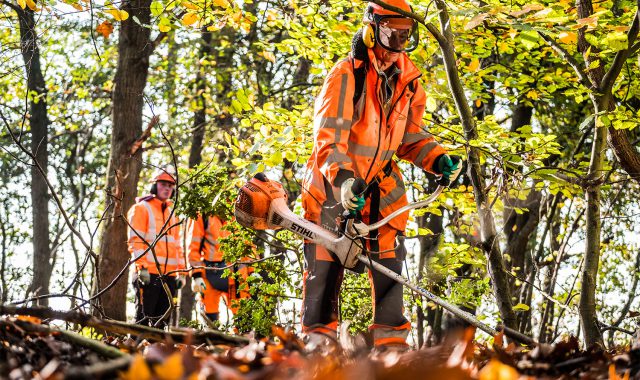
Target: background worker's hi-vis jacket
x,y
146,219
204,251
360,141
204,245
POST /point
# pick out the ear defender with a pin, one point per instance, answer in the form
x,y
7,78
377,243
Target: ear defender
x,y
368,36
154,189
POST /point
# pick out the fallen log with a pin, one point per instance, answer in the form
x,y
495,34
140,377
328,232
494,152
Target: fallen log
x,y
122,328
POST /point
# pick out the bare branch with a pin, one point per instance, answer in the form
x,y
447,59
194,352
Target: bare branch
x,y
584,80
621,56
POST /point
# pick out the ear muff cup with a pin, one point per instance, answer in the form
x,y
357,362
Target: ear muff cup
x,y
369,36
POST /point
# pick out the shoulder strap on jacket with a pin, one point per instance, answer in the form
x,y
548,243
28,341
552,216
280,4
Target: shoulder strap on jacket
x,y
359,75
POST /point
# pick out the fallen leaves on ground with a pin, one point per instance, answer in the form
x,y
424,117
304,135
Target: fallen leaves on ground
x,y
26,354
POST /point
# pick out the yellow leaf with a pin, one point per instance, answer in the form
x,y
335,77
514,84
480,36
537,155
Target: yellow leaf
x,y
190,5
189,19
78,7
474,64
568,37
118,14
171,369
164,28
138,369
478,103
31,4
532,94
105,29
269,56
236,16
221,3
496,370
22,4
272,15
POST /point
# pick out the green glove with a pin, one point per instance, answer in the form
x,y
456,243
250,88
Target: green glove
x,y
449,167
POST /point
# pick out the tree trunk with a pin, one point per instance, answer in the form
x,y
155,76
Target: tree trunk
x,y
428,247
488,233
39,123
601,102
134,49
618,139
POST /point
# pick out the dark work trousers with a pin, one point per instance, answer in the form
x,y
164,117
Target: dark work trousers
x,y
152,301
322,288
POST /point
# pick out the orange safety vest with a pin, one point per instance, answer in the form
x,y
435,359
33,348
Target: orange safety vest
x,y
146,219
360,141
204,245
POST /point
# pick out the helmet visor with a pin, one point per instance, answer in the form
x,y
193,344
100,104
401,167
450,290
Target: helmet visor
x,y
397,33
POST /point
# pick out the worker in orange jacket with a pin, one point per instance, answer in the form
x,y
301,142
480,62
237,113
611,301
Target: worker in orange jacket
x,y
151,220
370,108
204,252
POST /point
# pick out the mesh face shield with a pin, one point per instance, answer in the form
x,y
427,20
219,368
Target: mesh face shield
x,y
396,33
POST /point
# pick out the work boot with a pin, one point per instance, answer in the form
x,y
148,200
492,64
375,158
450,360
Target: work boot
x,y
320,343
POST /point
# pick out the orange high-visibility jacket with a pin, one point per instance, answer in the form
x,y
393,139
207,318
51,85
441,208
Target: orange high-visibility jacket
x,y
146,219
204,245
360,142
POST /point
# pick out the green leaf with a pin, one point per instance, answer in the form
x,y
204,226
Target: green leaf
x,y
156,8
529,38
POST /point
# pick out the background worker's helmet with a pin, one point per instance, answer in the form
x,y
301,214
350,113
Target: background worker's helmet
x,y
167,174
164,174
391,30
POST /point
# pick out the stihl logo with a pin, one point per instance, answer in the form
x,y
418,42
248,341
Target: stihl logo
x,y
301,230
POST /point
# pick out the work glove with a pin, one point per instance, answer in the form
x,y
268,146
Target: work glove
x,y
449,167
181,280
350,201
144,277
198,285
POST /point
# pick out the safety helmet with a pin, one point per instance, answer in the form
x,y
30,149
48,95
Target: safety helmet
x,y
167,174
391,30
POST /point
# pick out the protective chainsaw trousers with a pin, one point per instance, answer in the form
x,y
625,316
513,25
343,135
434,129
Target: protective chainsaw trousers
x,y
322,280
152,301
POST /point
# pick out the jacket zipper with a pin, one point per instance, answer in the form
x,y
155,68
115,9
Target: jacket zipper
x,y
393,106
379,127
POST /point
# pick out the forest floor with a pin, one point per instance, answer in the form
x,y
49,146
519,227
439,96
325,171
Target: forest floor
x,y
32,348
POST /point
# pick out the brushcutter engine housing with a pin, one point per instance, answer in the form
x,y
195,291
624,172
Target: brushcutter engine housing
x,y
262,205
253,204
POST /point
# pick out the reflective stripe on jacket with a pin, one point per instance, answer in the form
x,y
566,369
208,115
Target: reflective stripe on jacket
x,y
204,245
360,142
146,218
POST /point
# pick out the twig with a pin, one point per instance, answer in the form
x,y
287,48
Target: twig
x,y
98,370
145,135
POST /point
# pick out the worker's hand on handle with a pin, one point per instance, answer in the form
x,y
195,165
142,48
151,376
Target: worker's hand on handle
x,y
197,283
351,193
448,167
144,277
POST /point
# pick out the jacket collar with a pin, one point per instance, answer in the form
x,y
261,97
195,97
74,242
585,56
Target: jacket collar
x,y
409,71
151,198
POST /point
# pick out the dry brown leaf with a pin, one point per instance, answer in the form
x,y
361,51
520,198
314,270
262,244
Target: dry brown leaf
x,y
105,29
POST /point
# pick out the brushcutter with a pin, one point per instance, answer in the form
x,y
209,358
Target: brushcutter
x,y
262,205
